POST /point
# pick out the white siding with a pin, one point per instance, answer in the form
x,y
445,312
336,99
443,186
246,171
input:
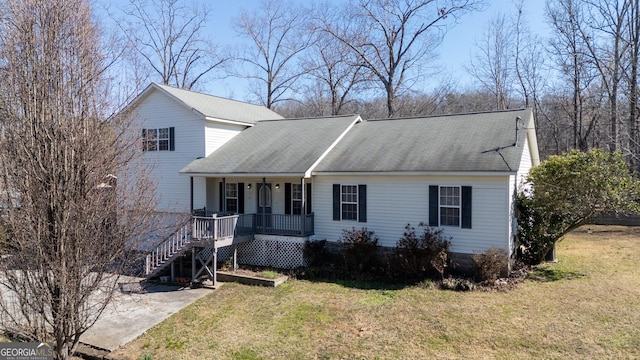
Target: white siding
x,y
194,138
525,165
173,190
395,201
216,134
518,183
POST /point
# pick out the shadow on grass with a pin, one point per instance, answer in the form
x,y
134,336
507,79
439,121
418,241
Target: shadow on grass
x,y
553,274
350,280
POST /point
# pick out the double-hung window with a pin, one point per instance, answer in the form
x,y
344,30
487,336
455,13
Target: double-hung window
x,y
450,206
349,202
231,195
161,139
296,198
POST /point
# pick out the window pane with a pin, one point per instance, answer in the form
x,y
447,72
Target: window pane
x,y
449,216
296,191
231,190
350,193
232,205
163,133
450,196
163,145
297,207
152,139
349,212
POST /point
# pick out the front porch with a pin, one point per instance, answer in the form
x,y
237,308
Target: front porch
x,y
206,233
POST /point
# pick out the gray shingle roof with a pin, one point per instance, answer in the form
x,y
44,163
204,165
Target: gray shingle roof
x,y
288,146
467,142
220,108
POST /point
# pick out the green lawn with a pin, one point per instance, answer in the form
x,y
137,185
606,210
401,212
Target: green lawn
x,y
585,306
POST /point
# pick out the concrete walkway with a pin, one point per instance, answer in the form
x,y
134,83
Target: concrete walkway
x,y
134,311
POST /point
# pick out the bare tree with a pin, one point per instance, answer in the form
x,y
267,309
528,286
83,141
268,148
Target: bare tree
x,y
493,66
279,34
393,39
604,40
68,217
167,36
571,55
336,73
632,40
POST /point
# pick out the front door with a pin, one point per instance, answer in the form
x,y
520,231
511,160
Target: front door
x,y
264,205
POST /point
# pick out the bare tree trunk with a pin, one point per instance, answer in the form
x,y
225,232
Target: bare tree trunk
x,y
634,40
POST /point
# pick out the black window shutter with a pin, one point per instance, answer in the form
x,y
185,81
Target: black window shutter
x,y
466,207
144,139
362,203
308,199
287,198
172,139
433,205
240,198
221,208
336,201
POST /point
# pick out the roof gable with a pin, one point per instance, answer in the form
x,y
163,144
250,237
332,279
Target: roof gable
x,y
453,143
213,107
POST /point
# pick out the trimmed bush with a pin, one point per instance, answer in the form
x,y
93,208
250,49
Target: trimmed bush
x,y
490,264
360,248
419,257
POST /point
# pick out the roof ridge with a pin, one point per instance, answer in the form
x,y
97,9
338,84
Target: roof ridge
x,y
451,114
314,117
209,95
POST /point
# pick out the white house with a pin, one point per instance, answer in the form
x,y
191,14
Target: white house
x,y
179,126
288,180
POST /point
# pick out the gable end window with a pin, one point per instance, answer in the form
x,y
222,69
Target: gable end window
x,y
162,139
350,202
450,206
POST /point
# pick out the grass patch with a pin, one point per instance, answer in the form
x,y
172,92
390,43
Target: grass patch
x,y
547,272
268,274
585,306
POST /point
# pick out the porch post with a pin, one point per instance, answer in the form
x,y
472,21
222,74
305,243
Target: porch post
x,y
223,196
193,264
264,203
215,266
191,188
235,257
303,210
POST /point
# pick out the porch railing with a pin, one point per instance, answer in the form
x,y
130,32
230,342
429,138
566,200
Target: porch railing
x,y
214,228
276,224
